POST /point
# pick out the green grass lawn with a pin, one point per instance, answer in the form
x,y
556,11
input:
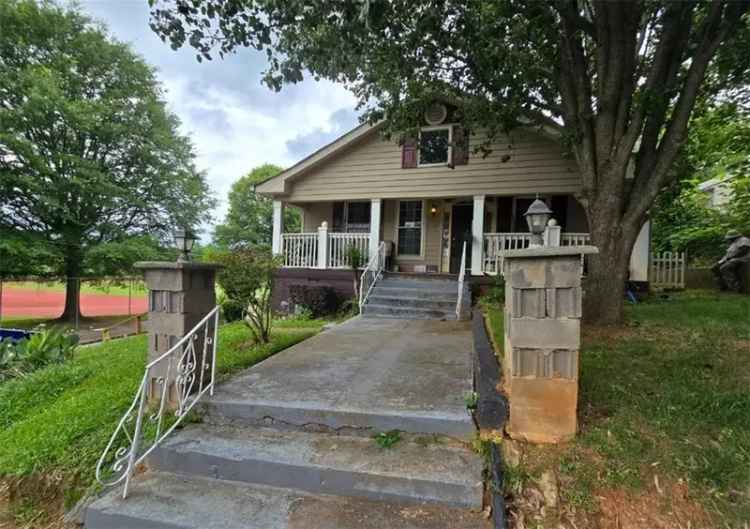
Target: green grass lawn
x,y
664,412
57,421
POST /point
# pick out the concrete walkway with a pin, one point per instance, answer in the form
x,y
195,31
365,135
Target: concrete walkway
x,y
410,375
288,443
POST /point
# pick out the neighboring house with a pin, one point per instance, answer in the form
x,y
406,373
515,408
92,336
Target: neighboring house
x,y
718,192
425,197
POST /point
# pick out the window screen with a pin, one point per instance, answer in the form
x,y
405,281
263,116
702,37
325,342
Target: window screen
x,y
410,227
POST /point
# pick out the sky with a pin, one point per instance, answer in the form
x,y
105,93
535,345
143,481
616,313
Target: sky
x,y
235,122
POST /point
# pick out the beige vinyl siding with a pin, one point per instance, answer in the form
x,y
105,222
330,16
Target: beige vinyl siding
x,y
372,169
314,214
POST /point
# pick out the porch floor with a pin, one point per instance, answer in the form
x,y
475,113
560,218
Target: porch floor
x,y
367,374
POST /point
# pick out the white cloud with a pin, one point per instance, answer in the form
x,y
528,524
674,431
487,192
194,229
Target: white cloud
x,y
234,122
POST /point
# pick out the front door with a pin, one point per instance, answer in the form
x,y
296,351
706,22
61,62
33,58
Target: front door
x,y
460,233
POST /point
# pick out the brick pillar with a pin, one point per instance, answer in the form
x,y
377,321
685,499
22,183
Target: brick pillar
x,y
542,338
180,296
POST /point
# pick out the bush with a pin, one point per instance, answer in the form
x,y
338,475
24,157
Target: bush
x,y
319,300
247,280
49,346
496,293
232,310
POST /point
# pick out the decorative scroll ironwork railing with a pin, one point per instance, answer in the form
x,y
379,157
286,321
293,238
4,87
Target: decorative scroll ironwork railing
x,y
495,244
339,244
171,386
300,250
372,272
461,276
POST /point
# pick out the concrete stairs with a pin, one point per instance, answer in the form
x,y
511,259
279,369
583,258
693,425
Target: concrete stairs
x,y
416,297
254,466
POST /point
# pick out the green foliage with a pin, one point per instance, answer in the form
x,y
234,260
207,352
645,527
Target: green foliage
x,y
319,300
58,419
247,278
48,346
249,219
387,439
354,257
470,399
89,153
718,148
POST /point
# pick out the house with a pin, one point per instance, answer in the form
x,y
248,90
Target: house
x,y
718,192
427,198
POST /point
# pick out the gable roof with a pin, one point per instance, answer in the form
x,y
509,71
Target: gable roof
x,y
279,184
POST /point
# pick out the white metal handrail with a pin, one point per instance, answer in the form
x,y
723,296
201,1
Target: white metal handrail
x,y
178,379
461,275
372,272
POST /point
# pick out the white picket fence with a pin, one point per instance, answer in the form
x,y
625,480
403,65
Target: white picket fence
x,y
322,249
667,270
300,250
338,248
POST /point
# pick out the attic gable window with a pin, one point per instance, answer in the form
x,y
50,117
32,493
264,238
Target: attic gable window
x,y
435,145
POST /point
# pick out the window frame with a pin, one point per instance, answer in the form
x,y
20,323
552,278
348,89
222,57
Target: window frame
x,y
449,128
422,230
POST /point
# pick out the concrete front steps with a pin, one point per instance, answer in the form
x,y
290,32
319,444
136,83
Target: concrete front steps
x,y
161,500
229,477
416,297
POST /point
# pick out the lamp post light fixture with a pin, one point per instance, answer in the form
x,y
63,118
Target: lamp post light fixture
x,y
536,217
184,240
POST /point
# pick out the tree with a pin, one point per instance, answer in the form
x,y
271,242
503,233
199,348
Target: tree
x,y
247,279
89,154
617,80
718,147
249,219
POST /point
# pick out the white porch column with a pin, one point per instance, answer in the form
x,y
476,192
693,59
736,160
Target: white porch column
x,y
323,245
278,227
375,204
477,235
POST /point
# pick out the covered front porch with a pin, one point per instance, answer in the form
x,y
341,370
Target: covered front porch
x,y
421,235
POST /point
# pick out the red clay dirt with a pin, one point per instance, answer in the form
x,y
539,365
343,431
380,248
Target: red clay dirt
x,y
46,304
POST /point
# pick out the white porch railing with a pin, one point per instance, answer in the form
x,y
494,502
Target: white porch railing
x,y
339,244
461,276
171,386
495,244
372,272
323,249
300,250
575,239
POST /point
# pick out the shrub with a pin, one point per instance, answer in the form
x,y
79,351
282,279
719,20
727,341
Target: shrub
x,y
319,300
49,346
247,279
496,293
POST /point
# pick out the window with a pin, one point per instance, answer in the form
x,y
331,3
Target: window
x,y
434,146
351,217
410,227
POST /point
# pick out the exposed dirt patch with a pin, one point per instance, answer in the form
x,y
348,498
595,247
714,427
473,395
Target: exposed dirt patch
x,y
33,502
671,509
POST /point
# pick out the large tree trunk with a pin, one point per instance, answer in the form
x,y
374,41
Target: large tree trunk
x,y
72,310
608,271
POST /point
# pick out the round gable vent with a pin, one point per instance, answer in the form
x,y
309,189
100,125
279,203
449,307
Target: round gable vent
x,y
436,114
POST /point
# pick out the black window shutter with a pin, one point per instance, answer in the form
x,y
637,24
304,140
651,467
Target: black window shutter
x,y
409,153
460,145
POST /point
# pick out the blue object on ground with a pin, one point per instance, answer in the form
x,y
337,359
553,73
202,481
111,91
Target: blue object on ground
x,y
14,334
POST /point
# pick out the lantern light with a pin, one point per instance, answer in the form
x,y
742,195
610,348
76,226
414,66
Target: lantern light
x,y
184,241
536,217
